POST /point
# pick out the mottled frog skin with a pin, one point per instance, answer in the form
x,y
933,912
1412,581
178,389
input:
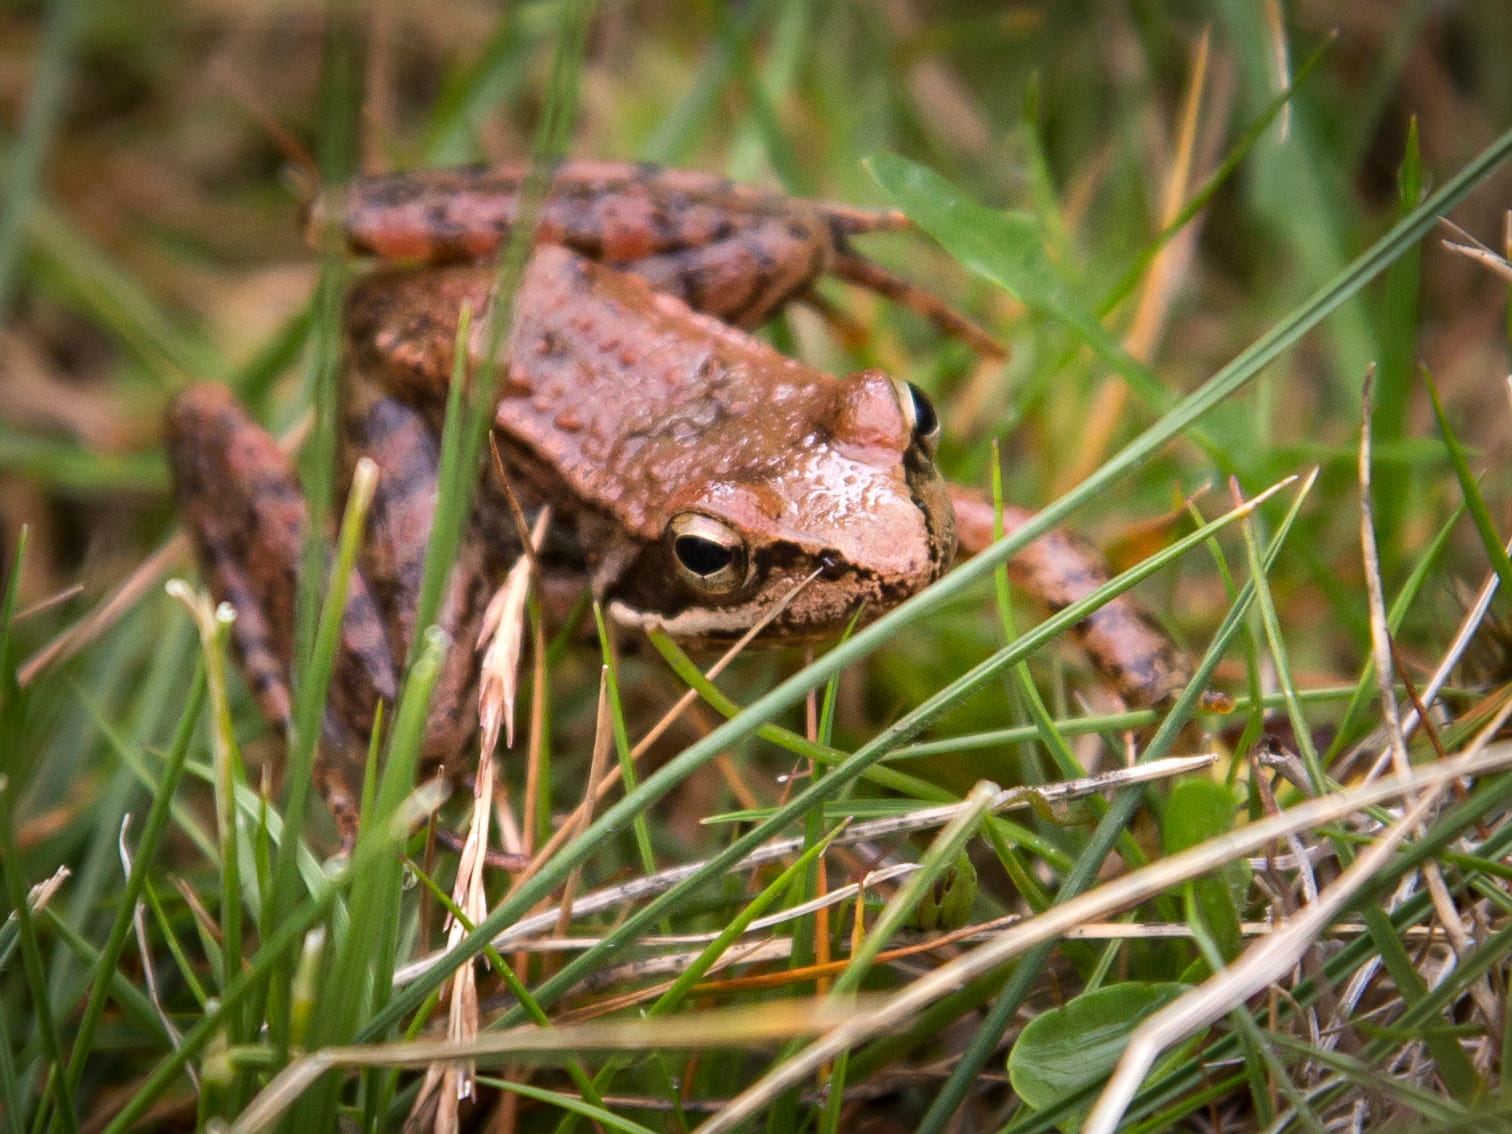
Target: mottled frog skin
x,y
695,475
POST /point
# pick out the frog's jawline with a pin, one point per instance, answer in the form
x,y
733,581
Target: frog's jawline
x,y
664,607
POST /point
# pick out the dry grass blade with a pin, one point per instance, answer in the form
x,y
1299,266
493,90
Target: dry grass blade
x,y
591,799
149,972
922,819
502,639
743,1027
1121,893
1264,963
1167,271
174,551
1380,632
1473,249
452,1082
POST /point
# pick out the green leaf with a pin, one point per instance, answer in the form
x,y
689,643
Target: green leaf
x,y
1200,810
1008,249
1065,1050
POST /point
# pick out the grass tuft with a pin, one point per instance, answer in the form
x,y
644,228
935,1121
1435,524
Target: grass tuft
x,y
768,893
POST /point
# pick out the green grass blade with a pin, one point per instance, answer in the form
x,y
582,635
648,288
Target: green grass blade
x,y
1227,381
44,109
1474,502
146,850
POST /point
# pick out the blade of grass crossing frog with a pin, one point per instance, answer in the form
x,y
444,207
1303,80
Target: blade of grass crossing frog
x,y
339,101
317,613
470,402
360,976
1120,811
869,754
1225,382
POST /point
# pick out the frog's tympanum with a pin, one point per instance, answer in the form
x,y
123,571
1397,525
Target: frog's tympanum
x,y
695,476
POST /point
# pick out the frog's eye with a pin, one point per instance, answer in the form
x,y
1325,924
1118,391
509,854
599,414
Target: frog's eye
x,y
919,414
710,555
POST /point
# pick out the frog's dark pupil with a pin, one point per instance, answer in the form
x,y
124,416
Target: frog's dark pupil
x,y
926,421
703,556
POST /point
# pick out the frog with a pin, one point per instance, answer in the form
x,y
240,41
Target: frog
x,y
699,482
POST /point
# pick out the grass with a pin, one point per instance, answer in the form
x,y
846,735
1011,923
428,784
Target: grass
x,y
1196,250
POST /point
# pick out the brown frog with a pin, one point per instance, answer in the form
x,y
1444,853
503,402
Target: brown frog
x,y
695,475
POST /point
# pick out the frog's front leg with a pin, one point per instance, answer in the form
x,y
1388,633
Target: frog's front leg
x,y
1125,642
242,505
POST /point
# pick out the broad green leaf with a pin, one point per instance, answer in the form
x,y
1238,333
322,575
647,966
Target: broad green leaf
x,y
1065,1050
1008,249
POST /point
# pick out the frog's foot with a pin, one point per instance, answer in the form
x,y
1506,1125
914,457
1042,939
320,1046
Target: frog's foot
x,y
242,505
1124,641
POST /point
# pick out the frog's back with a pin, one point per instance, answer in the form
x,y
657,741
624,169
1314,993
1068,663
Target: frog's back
x,y
630,395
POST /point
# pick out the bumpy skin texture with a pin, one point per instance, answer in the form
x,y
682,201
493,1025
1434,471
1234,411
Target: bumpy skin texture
x,y
731,251
622,409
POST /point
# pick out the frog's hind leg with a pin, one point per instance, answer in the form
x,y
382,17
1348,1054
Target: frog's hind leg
x,y
242,505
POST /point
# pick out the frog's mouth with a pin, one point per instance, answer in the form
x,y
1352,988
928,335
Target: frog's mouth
x,y
802,596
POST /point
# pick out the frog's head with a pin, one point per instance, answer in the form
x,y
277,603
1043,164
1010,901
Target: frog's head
x,y
852,514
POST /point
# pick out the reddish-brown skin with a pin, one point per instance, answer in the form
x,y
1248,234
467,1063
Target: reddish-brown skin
x,y
623,410
731,251
1125,642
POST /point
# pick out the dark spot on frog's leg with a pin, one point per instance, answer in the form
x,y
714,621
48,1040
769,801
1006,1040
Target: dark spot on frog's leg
x,y
388,190
448,240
